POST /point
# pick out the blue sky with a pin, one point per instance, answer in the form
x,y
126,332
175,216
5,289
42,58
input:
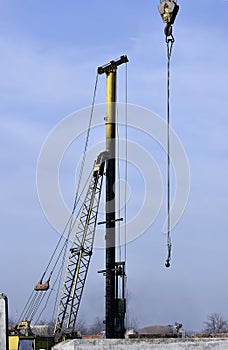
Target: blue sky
x,y
49,55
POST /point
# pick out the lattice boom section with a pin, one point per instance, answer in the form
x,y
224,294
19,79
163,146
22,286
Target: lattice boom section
x,y
80,255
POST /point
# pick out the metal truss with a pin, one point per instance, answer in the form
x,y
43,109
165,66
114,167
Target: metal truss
x,y
80,253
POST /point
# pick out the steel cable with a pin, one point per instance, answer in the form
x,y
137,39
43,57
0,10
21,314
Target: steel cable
x,y
169,41
34,300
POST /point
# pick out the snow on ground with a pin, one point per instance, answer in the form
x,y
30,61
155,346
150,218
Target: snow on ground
x,y
147,344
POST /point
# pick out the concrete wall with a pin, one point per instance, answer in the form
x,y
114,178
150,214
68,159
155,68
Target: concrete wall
x,y
3,322
149,344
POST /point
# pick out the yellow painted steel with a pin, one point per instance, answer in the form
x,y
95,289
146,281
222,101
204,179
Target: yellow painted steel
x,y
110,109
13,342
38,342
112,316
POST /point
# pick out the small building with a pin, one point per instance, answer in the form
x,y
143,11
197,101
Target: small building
x,y
168,331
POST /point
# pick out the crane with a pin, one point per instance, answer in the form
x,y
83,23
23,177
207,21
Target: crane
x,y
82,241
80,254
78,263
82,244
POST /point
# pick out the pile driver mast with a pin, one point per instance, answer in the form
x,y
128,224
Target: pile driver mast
x,y
115,304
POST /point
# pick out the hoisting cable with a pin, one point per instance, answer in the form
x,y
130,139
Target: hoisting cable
x,y
118,189
126,187
122,195
57,279
87,140
70,223
77,197
126,162
169,41
36,298
168,10
120,240
26,311
60,274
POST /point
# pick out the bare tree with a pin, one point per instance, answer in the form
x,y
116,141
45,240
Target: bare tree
x,y
215,324
132,323
81,327
97,327
131,319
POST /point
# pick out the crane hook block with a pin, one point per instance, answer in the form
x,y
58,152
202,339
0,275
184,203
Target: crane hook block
x,y
40,286
168,10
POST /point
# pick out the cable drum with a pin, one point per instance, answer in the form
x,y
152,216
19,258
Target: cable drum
x,y
149,188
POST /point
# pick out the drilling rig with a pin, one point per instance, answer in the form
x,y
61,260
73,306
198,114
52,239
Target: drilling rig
x,y
82,243
115,271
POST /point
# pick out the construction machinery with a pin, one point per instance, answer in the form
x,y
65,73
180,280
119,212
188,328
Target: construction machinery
x,y
81,248
80,255
82,242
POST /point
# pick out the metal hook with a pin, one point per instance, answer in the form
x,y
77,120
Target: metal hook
x,y
168,30
167,263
